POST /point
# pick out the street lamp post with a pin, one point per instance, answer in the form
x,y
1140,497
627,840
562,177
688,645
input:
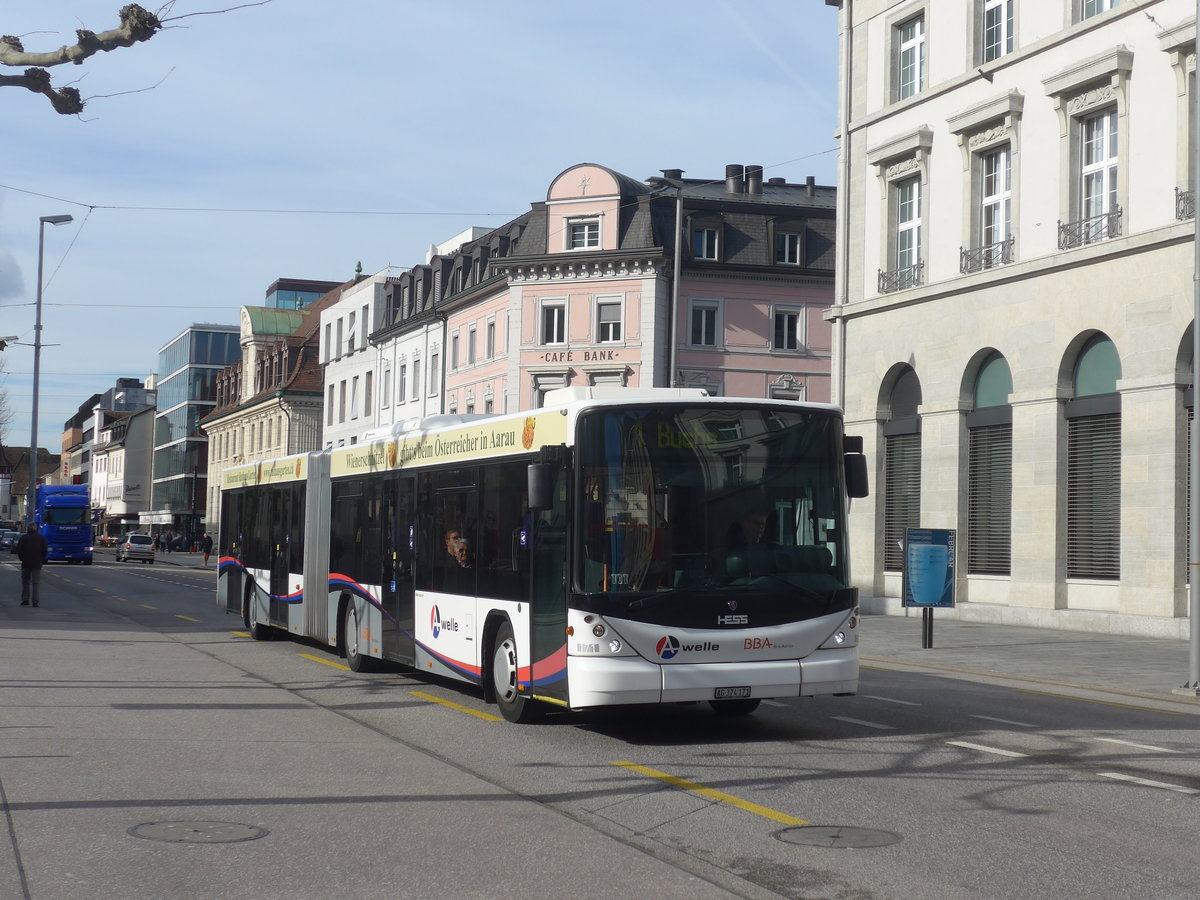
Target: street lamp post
x,y
31,493
677,270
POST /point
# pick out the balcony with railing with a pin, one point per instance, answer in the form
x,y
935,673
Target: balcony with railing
x,y
1185,204
988,256
1090,230
901,279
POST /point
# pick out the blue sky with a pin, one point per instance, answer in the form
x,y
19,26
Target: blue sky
x,y
412,120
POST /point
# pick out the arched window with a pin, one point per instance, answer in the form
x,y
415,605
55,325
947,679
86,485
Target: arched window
x,y
1094,464
901,468
989,471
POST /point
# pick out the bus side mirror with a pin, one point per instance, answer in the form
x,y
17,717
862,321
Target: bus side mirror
x,y
856,474
541,486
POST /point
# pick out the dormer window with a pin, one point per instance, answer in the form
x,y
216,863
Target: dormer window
x,y
583,234
704,243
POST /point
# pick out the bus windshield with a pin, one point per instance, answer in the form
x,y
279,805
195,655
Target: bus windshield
x,y
713,498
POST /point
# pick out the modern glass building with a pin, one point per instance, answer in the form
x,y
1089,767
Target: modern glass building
x,y
188,367
296,293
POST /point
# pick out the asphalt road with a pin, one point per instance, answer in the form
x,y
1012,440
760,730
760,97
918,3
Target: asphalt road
x,y
135,716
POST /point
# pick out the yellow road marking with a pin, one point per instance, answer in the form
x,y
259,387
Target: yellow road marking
x,y
324,662
488,717
721,797
147,606
186,618
100,590
244,634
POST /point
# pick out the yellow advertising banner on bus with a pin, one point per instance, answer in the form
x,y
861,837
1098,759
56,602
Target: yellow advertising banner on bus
x,y
480,440
270,471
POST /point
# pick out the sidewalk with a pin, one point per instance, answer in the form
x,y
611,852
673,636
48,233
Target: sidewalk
x,y
1137,667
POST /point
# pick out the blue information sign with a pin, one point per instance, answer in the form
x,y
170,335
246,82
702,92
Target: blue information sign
x,y
929,567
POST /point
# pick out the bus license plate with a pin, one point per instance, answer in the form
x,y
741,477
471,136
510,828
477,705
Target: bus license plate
x,y
731,693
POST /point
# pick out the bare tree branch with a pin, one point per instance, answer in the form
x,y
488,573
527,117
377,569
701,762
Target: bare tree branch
x,y
137,25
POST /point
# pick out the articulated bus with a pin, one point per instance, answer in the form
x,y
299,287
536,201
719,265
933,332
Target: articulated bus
x,y
617,546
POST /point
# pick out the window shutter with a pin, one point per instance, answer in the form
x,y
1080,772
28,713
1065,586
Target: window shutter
x,y
989,500
901,495
1094,497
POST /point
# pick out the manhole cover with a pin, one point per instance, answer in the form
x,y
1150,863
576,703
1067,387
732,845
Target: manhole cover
x,y
197,832
837,837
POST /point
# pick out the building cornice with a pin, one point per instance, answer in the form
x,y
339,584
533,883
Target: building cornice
x,y
567,267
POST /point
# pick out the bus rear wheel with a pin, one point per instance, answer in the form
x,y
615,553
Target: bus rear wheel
x,y
352,640
514,705
258,630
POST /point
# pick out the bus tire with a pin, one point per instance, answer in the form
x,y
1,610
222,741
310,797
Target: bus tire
x,y
734,707
351,641
514,705
258,630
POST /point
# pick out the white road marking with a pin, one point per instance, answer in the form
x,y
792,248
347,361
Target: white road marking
x,y
865,724
891,700
1005,721
985,749
1139,746
1146,782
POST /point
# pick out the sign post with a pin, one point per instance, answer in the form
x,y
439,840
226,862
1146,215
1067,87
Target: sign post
x,y
928,574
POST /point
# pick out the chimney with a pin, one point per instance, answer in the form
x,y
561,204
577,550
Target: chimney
x,y
810,185
733,179
777,181
754,180
674,174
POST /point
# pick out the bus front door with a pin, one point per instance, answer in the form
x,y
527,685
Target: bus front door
x,y
397,598
548,596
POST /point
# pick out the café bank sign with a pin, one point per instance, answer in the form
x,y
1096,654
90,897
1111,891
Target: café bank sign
x,y
584,356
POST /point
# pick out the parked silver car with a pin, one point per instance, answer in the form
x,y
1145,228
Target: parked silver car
x,y
136,546
8,540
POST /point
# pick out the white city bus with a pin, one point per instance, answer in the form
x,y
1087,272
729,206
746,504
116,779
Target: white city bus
x,y
618,546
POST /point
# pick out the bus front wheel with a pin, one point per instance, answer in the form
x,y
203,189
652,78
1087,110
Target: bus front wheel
x,y
514,705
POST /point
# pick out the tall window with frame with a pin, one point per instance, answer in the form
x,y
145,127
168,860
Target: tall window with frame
x,y
471,346
1098,174
908,231
490,340
997,28
1089,8
989,471
910,75
608,321
788,330
704,319
995,205
554,323
401,378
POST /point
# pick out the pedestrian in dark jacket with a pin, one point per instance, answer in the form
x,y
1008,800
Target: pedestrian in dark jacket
x,y
206,546
32,550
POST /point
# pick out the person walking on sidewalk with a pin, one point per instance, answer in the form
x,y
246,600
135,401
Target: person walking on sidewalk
x,y
32,550
206,546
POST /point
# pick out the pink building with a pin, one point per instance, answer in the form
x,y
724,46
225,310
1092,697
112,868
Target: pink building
x,y
580,291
